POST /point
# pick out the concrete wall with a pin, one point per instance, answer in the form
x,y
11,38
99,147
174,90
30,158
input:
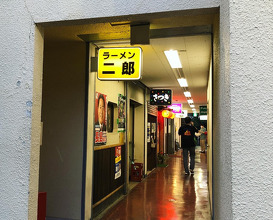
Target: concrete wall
x,y
251,101
46,11
209,135
63,131
20,40
222,161
36,119
242,151
242,100
139,134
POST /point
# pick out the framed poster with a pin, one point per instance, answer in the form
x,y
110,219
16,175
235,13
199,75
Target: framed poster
x,y
100,119
121,113
110,116
148,132
153,135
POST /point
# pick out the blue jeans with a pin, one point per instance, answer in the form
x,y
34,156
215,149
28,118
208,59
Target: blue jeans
x,y
185,158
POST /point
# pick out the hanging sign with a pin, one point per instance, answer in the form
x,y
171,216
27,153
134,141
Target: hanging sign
x,y
184,114
176,108
203,110
120,63
161,97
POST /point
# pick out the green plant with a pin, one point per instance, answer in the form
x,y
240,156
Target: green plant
x,y
162,157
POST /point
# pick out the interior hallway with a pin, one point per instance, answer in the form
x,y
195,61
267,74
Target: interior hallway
x,y
167,194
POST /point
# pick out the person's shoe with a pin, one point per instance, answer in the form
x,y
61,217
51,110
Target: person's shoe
x,y
187,173
192,172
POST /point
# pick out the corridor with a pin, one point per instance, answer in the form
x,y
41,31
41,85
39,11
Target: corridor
x,y
167,194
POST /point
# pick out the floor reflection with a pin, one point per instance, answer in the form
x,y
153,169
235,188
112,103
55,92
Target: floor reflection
x,y
167,194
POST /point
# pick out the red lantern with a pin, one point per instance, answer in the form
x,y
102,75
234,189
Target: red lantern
x,y
165,113
171,115
168,114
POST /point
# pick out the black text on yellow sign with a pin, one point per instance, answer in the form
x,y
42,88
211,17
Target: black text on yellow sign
x,y
120,63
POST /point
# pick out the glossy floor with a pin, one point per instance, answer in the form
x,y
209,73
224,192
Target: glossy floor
x,y
167,194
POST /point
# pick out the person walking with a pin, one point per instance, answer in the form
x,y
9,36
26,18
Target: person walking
x,y
203,138
187,133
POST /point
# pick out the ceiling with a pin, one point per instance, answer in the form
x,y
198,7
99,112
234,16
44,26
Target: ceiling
x,y
183,33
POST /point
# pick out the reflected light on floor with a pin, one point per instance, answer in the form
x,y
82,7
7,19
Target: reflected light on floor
x,y
167,194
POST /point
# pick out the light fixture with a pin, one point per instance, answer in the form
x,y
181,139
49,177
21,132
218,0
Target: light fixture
x,y
165,113
173,58
182,82
187,94
190,101
192,106
168,114
172,116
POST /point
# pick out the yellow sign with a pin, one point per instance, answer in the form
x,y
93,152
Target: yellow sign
x,y
120,63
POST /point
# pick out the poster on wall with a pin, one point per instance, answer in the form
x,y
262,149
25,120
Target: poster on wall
x,y
121,113
117,162
153,127
100,119
153,135
110,117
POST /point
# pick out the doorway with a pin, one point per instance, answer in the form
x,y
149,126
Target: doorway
x,y
151,142
131,133
132,150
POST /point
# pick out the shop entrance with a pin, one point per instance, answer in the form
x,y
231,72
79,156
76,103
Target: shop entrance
x,y
63,151
131,133
152,142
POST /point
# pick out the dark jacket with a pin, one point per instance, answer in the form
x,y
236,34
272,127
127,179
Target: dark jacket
x,y
187,133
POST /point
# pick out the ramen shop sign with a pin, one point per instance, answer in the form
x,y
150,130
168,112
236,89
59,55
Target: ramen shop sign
x,y
120,63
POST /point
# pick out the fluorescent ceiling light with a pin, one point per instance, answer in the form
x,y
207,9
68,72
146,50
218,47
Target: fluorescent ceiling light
x,y
173,58
190,101
192,106
183,82
187,94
